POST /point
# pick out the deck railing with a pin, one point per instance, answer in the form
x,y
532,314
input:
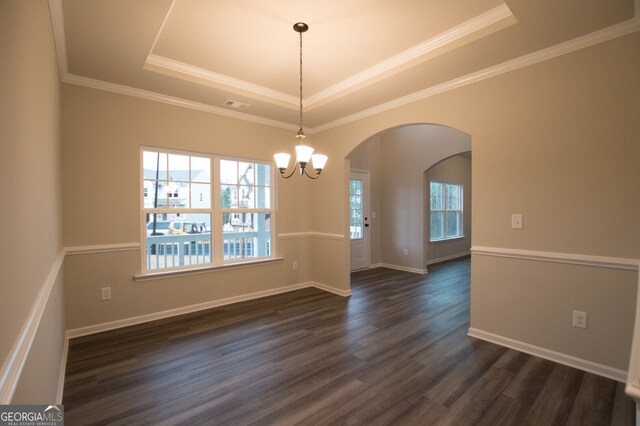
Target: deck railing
x,y
169,251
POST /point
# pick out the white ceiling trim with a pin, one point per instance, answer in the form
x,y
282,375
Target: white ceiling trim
x,y
57,22
388,67
164,22
398,62
582,42
600,36
182,70
171,100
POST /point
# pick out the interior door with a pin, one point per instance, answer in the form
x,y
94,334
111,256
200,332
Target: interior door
x,y
359,219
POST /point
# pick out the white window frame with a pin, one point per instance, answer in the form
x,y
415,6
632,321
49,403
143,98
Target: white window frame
x,y
445,210
215,210
221,211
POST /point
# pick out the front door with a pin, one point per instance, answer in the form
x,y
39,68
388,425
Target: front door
x,y
359,219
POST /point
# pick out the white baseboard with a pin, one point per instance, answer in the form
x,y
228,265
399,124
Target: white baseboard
x,y
98,328
112,325
560,358
447,258
330,289
399,268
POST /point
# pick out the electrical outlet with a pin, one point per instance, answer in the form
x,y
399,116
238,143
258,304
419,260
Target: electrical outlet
x,y
294,265
106,293
516,221
579,319
406,252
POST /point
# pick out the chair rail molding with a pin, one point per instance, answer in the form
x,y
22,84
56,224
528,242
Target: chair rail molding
x,y
555,257
17,357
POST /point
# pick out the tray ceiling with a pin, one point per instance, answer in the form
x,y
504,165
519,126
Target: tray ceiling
x,y
357,54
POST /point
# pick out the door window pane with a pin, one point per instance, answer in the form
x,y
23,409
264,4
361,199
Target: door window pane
x,y
356,209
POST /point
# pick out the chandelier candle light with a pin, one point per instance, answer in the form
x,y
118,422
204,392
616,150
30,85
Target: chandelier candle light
x,y
304,153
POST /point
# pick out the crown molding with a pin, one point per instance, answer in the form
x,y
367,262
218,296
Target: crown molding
x,y
387,67
161,64
423,50
600,36
57,22
172,100
164,22
588,40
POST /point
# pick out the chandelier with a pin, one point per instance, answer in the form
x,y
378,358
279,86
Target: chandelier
x,y
304,153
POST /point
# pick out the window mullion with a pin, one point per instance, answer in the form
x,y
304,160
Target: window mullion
x,y
444,214
216,220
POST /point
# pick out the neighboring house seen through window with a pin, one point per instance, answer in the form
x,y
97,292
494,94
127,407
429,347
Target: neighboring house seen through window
x,y
187,201
445,201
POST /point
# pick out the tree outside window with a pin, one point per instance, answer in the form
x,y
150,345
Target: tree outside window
x,y
445,203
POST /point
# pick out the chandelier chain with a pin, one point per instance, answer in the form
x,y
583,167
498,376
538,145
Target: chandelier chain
x,y
300,82
305,157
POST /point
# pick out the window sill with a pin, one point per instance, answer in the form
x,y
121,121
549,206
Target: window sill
x,y
203,270
447,240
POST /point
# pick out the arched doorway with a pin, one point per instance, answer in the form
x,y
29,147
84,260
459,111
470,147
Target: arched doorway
x,y
395,161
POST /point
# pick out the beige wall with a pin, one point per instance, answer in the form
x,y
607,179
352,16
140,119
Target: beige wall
x,y
102,135
410,151
456,169
31,208
557,142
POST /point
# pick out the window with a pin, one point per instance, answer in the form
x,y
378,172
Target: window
x,y
185,224
445,211
245,200
356,209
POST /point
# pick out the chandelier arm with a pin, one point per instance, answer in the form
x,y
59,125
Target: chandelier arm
x,y
295,166
309,176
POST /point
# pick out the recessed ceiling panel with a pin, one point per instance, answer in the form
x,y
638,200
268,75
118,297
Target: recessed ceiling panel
x,y
253,40
355,52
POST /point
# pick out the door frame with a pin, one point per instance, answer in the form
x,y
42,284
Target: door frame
x,y
367,214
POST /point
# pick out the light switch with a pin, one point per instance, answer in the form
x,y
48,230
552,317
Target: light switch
x,y
516,221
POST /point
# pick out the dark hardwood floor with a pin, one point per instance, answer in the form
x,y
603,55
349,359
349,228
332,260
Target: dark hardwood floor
x,y
396,352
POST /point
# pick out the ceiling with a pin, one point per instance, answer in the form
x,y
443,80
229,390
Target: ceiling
x,y
359,55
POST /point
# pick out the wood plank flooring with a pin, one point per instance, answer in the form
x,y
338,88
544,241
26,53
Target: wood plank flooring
x,y
396,352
